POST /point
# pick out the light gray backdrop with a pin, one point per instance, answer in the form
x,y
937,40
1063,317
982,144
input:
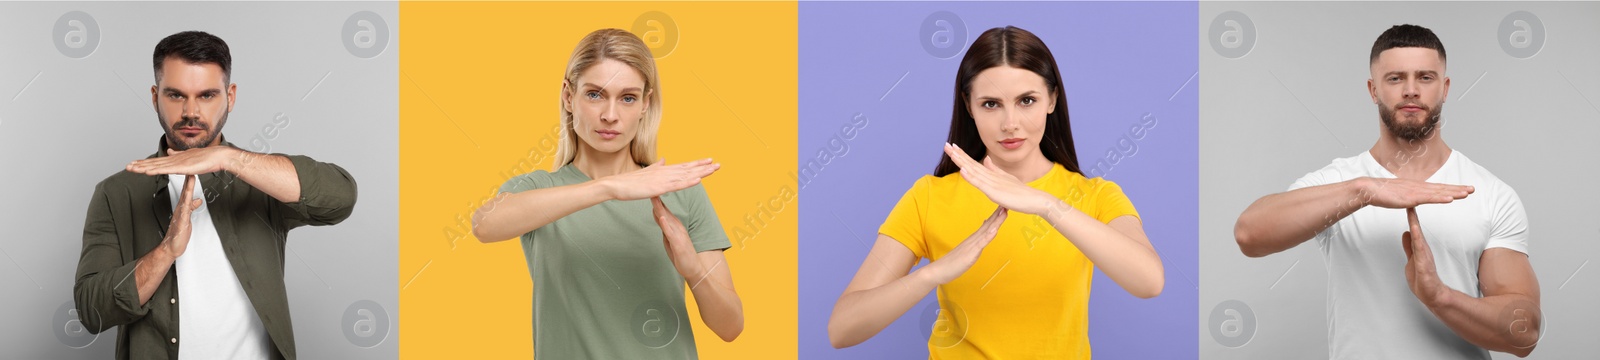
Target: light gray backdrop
x,y
1288,95
317,79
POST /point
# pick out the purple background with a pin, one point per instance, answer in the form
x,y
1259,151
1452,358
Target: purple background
x,y
1120,61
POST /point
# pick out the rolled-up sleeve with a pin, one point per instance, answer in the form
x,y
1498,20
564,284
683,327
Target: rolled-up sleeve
x,y
327,193
106,292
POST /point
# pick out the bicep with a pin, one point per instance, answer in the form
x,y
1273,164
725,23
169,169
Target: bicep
x,y
1131,227
1504,271
887,261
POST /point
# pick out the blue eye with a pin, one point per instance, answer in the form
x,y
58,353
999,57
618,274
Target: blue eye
x,y
592,94
629,99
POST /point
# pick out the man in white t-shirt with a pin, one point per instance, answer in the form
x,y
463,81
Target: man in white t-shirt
x,y
1426,250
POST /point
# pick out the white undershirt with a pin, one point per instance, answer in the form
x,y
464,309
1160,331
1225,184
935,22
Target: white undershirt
x,y
1372,313
216,319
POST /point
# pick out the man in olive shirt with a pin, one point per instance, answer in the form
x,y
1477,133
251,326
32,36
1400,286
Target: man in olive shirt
x,y
195,270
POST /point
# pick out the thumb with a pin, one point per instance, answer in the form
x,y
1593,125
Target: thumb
x,y
1405,243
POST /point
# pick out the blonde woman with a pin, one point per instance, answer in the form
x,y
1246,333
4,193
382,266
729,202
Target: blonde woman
x,y
613,235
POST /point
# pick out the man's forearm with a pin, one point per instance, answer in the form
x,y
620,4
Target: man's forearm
x,y
150,271
1280,221
272,174
1507,323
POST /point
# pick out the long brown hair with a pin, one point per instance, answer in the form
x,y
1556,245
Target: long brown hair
x,y
1015,47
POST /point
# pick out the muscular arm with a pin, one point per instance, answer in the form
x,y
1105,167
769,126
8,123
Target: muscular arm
x,y
1507,318
1280,221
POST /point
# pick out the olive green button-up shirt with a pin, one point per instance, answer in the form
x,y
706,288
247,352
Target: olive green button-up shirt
x,y
128,217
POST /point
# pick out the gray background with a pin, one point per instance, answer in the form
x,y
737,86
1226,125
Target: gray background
x,y
66,123
1298,100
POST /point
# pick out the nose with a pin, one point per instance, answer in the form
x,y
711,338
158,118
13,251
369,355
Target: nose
x,y
609,115
1411,90
191,108
1013,121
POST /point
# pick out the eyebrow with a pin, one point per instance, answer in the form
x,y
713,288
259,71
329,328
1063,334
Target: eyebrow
x,y
591,86
1418,72
171,91
1024,94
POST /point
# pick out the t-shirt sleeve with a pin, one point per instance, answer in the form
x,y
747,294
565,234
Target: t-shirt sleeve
x,y
905,222
700,219
1113,203
535,180
1510,222
1323,176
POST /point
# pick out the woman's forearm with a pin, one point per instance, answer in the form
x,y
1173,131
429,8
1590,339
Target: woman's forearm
x,y
863,313
511,215
719,304
1132,264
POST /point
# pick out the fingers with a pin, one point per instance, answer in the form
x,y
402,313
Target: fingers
x,y
989,163
1411,217
960,157
188,187
658,208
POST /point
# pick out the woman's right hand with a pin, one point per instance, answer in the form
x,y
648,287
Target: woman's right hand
x,y
657,179
958,260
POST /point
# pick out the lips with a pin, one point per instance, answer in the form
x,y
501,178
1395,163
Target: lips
x,y
1013,143
191,131
608,134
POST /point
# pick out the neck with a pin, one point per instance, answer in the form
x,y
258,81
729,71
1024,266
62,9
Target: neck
x,y
1411,159
1028,169
597,164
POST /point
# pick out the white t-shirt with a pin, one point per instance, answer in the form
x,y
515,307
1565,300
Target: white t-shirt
x,y
1372,313
216,319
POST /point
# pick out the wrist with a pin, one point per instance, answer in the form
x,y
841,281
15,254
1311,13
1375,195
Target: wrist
x,y
605,188
1361,188
232,158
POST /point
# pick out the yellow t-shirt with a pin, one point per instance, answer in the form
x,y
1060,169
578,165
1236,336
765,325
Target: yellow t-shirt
x,y
1028,294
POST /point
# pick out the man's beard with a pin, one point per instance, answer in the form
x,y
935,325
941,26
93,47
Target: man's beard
x,y
1411,131
176,141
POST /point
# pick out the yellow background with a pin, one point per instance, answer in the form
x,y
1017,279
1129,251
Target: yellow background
x,y
479,84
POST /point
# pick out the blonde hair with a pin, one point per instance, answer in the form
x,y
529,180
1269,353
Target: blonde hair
x,y
624,47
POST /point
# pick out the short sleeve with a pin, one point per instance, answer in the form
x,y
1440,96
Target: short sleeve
x,y
700,219
535,180
1113,203
1510,222
1324,176
905,222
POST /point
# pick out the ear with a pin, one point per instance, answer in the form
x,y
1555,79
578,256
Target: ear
x,y
233,92
1446,90
566,95
1372,90
1052,107
646,101
154,98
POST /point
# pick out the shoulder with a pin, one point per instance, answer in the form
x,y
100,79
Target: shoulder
x,y
529,181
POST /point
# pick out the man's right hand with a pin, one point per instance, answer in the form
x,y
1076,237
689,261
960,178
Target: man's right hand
x,y
178,231
1408,193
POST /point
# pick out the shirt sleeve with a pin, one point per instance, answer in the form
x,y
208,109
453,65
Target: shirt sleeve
x,y
905,222
1510,222
700,219
1113,203
105,291
327,193
538,179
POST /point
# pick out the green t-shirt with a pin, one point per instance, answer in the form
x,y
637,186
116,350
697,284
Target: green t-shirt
x,y
603,287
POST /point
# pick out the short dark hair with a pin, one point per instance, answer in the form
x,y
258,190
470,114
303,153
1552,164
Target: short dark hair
x,y
1406,35
194,47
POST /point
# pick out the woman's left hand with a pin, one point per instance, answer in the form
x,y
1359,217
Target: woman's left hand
x,y
675,237
999,186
